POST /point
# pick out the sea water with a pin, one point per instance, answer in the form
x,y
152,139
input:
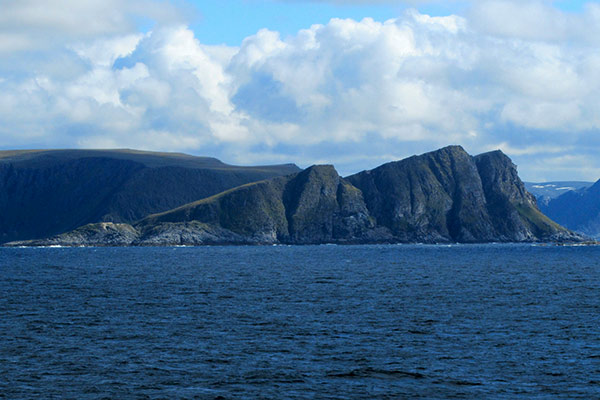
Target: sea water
x,y
322,322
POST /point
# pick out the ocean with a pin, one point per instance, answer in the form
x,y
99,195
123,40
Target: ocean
x,y
301,322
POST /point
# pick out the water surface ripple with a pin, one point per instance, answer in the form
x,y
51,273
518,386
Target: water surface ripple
x,y
326,322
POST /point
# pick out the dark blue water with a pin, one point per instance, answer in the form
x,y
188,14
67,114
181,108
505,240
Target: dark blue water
x,y
326,322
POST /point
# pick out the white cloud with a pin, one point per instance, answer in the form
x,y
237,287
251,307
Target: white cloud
x,y
37,24
542,115
535,20
564,167
527,150
346,91
105,52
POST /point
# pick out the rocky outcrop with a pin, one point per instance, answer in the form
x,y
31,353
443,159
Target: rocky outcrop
x,y
192,233
438,197
435,197
313,206
449,196
99,234
512,209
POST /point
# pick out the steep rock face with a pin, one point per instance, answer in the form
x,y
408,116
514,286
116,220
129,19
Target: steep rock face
x,y
321,206
512,209
310,201
447,195
436,196
505,195
43,193
352,220
313,206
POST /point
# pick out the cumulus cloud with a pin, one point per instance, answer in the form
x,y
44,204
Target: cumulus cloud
x,y
355,93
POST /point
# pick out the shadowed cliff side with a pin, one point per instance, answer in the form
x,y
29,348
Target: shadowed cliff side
x,y
313,206
513,210
439,197
447,195
434,197
48,192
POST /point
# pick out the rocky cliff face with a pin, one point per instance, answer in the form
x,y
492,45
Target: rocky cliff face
x,y
43,193
321,207
512,210
438,197
313,206
435,197
449,196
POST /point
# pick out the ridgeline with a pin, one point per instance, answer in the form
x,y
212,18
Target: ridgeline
x,y
445,196
49,192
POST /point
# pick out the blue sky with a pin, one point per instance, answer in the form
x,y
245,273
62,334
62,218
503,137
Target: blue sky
x,y
230,21
354,83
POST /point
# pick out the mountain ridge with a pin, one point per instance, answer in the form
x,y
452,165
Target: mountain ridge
x,y
50,192
443,196
544,192
578,210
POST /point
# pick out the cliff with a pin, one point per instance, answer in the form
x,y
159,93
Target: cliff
x,y
313,206
449,196
512,209
439,197
44,193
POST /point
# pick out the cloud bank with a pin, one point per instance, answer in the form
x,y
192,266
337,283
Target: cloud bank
x,y
355,93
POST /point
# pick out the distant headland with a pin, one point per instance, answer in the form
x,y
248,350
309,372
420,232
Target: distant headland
x,y
129,198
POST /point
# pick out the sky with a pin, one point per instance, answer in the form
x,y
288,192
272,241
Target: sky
x,y
353,83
